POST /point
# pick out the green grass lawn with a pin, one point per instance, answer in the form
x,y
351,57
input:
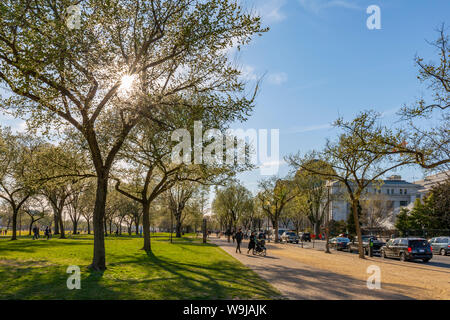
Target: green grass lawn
x,y
186,269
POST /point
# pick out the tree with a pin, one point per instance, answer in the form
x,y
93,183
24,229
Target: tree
x,y
76,203
425,143
376,209
275,194
16,187
59,170
177,197
315,190
81,77
440,204
86,204
36,209
232,203
298,211
353,165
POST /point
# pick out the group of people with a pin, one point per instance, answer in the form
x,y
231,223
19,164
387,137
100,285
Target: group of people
x,y
47,232
239,236
3,232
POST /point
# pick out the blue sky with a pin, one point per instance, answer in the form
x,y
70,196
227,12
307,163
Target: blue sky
x,y
320,62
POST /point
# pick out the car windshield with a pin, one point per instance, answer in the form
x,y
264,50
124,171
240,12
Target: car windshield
x,y
292,234
343,239
418,243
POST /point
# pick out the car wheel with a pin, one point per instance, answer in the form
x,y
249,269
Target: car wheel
x,y
425,260
443,253
402,256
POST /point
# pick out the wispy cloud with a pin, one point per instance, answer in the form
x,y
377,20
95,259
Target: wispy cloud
x,y
248,73
278,78
303,129
271,10
318,5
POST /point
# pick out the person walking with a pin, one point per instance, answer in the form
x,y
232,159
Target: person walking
x,y
239,236
252,242
46,233
34,232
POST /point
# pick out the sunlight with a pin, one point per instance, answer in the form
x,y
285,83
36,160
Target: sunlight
x,y
127,83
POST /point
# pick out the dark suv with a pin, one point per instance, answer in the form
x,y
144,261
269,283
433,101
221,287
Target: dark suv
x,y
407,249
377,244
306,236
441,245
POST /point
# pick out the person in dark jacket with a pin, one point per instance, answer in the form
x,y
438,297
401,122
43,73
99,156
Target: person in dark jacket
x,y
252,243
239,236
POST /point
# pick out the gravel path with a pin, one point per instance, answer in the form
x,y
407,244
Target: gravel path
x,y
299,281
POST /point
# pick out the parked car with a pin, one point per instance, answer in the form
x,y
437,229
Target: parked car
x,y
440,245
305,236
339,243
289,236
407,249
377,244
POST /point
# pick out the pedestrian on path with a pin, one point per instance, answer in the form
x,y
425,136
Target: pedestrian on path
x,y
252,243
239,236
35,232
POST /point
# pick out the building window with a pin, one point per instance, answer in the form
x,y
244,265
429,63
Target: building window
x,y
392,191
403,203
401,191
406,191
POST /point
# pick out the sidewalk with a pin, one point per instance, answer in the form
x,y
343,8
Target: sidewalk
x,y
299,281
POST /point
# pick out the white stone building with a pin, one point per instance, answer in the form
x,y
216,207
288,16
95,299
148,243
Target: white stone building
x,y
396,191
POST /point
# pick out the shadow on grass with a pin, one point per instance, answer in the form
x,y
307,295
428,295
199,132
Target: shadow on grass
x,y
133,275
218,280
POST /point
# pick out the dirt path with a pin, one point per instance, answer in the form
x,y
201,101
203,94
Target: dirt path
x,y
310,274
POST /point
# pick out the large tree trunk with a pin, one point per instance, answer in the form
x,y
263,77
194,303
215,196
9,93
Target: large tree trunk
x,y
14,225
88,227
56,219
61,224
275,227
146,226
317,229
355,205
99,261
136,223
75,225
31,227
178,226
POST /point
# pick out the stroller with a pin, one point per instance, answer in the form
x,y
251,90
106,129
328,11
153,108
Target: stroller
x,y
260,248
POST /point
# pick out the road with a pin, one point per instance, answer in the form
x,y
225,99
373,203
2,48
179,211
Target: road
x,y
437,260
301,273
